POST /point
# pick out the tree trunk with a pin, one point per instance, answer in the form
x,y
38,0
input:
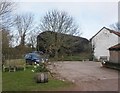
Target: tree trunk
x,y
56,46
56,55
22,40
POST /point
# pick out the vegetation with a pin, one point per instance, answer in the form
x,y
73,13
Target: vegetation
x,y
24,81
24,25
75,57
6,9
72,45
57,38
41,67
61,43
79,57
58,22
115,26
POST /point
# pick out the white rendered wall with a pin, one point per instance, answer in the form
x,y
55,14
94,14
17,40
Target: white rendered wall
x,y
103,41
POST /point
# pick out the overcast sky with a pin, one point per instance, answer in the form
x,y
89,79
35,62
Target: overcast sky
x,y
90,16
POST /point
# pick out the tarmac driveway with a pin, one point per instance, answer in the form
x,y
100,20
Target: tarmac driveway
x,y
88,76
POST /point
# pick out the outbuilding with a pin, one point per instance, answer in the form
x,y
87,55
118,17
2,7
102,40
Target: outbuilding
x,y
115,53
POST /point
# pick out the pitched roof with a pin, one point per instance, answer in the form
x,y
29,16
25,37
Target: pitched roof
x,y
115,47
111,31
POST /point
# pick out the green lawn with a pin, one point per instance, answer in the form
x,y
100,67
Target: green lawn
x,y
24,81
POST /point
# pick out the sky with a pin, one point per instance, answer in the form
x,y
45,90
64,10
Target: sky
x,y
90,15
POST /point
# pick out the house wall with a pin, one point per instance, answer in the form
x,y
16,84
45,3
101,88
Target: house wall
x,y
102,42
114,56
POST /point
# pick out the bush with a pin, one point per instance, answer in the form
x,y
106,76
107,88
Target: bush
x,y
40,68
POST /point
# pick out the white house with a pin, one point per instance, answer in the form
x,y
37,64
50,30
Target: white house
x,y
102,41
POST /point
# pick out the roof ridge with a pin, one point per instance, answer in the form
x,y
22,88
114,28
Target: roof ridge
x,y
111,31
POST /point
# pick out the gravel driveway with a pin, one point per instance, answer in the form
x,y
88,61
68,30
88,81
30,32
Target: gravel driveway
x,y
88,76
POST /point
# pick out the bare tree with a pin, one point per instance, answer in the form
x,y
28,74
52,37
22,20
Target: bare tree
x,y
32,39
23,24
58,22
115,26
6,8
5,38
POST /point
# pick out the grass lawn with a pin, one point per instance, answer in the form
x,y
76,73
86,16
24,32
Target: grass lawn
x,y
24,81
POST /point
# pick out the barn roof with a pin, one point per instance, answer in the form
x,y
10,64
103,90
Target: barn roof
x,y
111,31
115,47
